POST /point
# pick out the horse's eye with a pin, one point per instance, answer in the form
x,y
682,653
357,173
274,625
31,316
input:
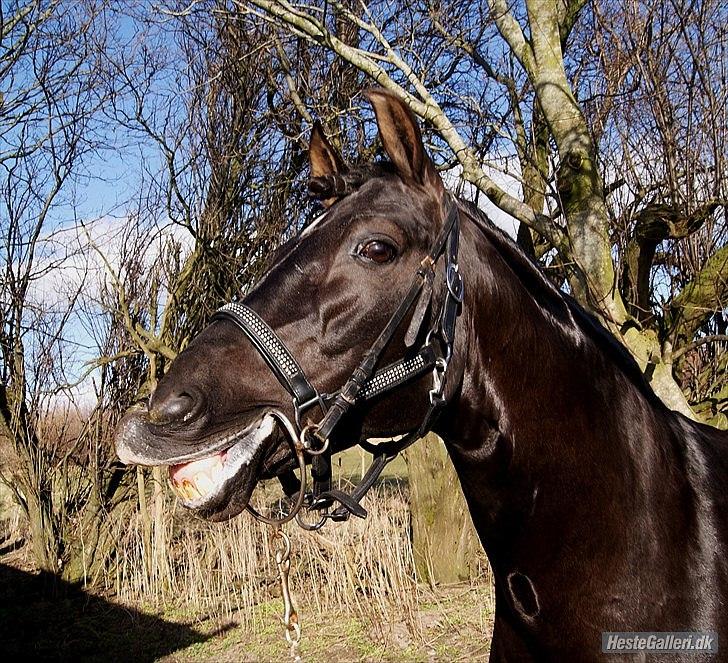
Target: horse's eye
x,y
377,250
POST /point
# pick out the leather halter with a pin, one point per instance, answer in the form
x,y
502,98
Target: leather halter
x,y
366,383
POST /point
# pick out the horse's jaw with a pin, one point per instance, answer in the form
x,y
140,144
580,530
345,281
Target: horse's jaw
x,y
215,482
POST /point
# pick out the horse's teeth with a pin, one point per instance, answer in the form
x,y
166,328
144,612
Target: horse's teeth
x,y
204,483
191,490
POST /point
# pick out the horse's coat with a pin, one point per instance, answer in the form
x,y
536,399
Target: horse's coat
x,y
599,509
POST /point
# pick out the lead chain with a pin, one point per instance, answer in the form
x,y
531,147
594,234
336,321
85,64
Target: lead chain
x,y
290,614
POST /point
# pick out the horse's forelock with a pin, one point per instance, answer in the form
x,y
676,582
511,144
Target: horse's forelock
x,y
340,185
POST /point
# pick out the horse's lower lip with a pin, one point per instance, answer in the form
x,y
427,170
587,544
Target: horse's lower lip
x,y
207,483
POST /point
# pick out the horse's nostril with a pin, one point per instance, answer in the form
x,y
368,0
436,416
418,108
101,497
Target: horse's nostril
x,y
174,407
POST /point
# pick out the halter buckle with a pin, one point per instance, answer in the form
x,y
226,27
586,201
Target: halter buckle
x,y
436,332
454,282
300,408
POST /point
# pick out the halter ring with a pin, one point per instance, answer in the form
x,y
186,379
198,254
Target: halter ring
x,y
310,431
298,449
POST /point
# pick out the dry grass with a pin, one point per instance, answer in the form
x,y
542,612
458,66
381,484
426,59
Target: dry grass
x,y
363,568
219,569
362,572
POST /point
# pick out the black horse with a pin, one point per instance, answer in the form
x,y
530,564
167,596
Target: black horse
x,y
599,508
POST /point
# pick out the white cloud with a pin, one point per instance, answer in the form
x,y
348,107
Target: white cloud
x,y
72,261
71,270
74,258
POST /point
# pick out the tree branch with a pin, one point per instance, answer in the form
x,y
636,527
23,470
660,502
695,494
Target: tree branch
x,y
511,31
713,338
425,107
702,297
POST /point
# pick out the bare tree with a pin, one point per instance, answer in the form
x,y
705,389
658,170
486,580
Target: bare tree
x,y
49,125
611,121
223,186
653,82
510,81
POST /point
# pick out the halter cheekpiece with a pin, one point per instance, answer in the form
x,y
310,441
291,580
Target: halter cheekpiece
x,y
366,383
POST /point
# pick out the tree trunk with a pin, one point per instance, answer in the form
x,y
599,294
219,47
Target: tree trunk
x,y
443,537
582,195
93,543
147,542
161,560
42,535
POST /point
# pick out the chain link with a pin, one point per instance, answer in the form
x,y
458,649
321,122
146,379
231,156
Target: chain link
x,y
290,614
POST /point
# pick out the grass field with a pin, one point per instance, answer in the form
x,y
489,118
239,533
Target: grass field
x,y
211,593
452,624
349,465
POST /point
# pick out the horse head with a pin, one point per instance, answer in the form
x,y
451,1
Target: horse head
x,y
329,294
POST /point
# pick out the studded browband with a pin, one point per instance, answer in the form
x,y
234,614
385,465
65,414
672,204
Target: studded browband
x,y
366,383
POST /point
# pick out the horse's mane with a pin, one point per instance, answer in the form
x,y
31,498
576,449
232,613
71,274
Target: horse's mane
x,y
340,185
560,307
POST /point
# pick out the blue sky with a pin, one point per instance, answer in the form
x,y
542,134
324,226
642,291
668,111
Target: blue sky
x,y
110,185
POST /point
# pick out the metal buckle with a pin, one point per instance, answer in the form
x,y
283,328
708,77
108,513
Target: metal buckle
x,y
438,382
300,408
436,333
454,281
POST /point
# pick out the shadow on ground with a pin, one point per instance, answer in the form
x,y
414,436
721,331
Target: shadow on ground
x,y
44,618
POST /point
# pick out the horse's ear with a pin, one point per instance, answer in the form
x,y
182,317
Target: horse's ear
x,y
322,157
401,138
326,164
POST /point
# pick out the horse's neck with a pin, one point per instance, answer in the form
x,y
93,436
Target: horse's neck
x,y
548,433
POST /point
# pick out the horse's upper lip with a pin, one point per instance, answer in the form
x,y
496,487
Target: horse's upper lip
x,y
136,446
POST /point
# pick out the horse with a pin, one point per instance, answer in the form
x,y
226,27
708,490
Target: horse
x,y
599,509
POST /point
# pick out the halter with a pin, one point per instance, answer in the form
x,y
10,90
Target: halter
x,y
365,383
